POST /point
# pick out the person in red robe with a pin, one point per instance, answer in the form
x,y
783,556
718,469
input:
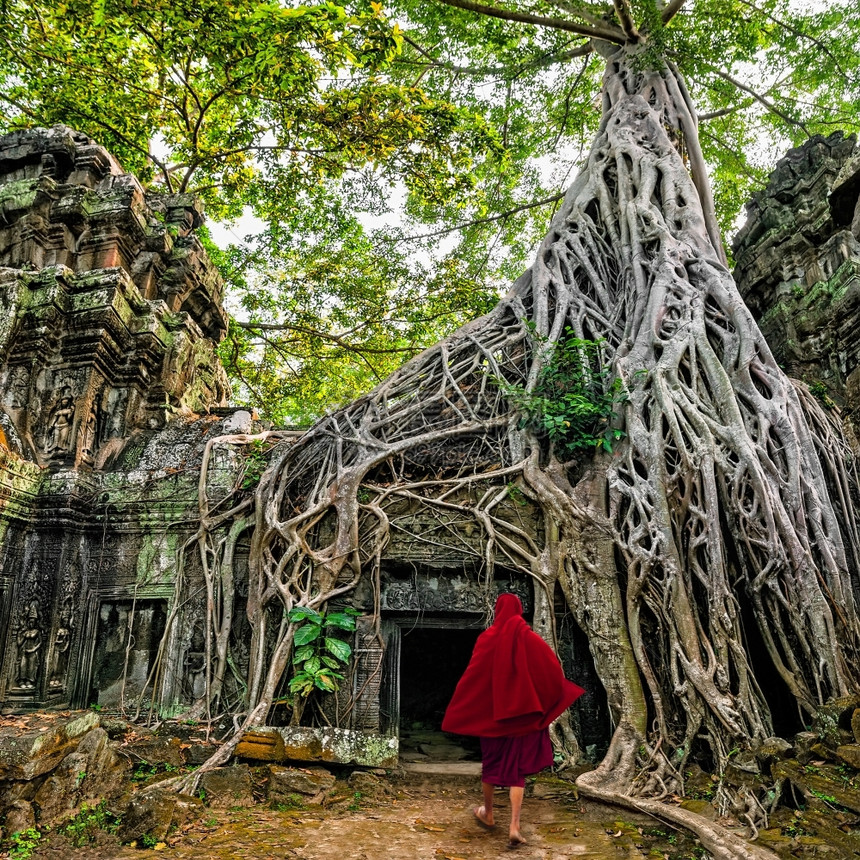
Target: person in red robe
x,y
512,689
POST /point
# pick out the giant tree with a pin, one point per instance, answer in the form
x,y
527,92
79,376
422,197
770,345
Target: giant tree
x,y
714,542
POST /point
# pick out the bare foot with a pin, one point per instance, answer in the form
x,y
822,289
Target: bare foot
x,y
482,818
515,840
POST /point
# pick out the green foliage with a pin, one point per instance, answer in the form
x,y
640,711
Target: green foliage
x,y
255,463
145,770
23,843
821,393
827,798
573,401
401,173
317,656
84,827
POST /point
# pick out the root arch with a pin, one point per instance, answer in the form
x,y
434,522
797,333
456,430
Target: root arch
x,y
729,499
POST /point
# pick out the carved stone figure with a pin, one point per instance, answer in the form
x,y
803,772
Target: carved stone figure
x,y
62,644
195,666
58,436
90,433
29,641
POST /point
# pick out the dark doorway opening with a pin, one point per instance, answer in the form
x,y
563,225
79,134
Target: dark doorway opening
x,y
431,663
127,640
786,714
432,660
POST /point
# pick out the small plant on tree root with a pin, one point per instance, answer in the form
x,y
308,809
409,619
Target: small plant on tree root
x,y
573,401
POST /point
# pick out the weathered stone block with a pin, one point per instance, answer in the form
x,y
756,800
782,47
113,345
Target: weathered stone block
x,y
855,725
156,750
850,754
443,752
155,813
313,783
197,754
29,754
60,792
771,749
228,786
19,817
105,770
803,743
329,744
742,770
264,745
368,785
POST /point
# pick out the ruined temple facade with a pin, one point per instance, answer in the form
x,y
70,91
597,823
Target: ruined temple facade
x,y
110,317
111,388
797,265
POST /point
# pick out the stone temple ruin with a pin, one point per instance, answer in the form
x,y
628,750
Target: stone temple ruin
x,y
111,388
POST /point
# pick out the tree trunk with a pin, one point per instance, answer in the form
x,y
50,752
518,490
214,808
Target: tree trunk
x,y
718,496
724,507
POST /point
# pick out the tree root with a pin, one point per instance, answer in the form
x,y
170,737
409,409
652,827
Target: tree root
x,y
722,843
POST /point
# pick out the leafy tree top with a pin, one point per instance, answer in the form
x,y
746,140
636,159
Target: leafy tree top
x,y
403,158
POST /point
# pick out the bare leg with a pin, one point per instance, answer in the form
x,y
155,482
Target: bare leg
x,y
516,838
484,813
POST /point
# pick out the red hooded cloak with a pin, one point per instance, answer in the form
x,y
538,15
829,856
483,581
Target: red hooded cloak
x,y
513,684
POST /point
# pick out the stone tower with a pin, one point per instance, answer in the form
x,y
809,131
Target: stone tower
x,y
110,318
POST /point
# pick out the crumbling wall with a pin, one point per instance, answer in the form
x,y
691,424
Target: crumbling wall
x,y
798,267
110,387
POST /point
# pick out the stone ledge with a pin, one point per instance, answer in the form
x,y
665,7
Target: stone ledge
x,y
300,743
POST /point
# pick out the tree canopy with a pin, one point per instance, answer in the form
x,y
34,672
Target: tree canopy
x,y
404,158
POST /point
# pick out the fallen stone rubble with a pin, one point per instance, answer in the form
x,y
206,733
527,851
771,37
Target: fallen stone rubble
x,y
54,764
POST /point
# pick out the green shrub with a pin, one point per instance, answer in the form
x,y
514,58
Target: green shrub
x,y
573,401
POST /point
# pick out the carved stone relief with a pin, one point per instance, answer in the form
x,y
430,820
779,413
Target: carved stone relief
x,y
29,641
425,593
59,439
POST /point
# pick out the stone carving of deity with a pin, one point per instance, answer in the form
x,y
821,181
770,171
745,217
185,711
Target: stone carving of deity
x,y
90,433
195,666
62,643
29,642
60,418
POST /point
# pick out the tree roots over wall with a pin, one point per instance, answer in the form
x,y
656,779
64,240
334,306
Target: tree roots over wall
x,y
731,487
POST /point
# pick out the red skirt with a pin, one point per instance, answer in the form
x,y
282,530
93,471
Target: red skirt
x,y
508,761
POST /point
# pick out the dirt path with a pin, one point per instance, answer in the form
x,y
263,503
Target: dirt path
x,y
424,821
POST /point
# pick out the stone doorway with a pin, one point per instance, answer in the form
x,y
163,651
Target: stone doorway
x,y
425,661
127,639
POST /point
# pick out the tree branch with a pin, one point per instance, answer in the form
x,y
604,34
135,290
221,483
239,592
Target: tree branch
x,y
670,10
625,18
607,33
758,97
501,71
716,114
500,217
799,33
313,332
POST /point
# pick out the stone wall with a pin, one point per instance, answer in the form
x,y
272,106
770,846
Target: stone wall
x,y
798,267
